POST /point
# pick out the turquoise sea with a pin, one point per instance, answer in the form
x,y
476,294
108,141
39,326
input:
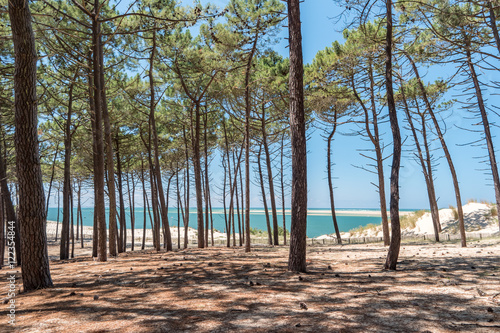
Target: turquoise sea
x,y
319,221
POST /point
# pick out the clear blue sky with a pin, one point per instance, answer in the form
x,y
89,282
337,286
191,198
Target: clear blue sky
x,y
353,188
353,185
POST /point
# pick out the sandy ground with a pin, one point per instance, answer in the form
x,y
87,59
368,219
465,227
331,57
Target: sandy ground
x,y
437,288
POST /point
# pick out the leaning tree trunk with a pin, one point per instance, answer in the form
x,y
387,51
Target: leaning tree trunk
x,y
393,254
297,257
493,24
432,191
31,205
447,154
422,162
487,133
51,179
380,159
330,183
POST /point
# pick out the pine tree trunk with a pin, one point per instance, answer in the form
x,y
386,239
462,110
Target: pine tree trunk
x,y
297,257
264,200
51,178
487,133
123,225
493,24
197,177
65,232
131,202
330,182
270,178
394,247
282,181
98,138
32,217
205,124
422,161
6,200
447,154
159,184
186,196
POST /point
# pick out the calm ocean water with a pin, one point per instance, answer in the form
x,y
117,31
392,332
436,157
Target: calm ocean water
x,y
319,221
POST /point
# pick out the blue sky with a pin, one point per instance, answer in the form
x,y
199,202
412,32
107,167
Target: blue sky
x,y
353,188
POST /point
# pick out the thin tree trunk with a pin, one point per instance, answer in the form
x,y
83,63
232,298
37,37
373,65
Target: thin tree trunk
x,y
51,178
493,24
179,203
131,202
282,178
432,191
123,223
32,217
380,159
72,227
242,193
330,184
98,137
79,213
65,231
207,178
487,133
447,154
59,209
2,228
422,161
248,108
145,203
238,214
186,196
264,200
394,247
270,178
114,239
157,169
10,211
297,256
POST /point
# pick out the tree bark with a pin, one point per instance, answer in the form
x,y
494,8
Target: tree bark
x,y
123,225
330,183
98,138
197,177
394,247
65,232
270,178
422,162
282,181
51,179
487,133
264,200
31,204
297,256
493,24
159,184
447,154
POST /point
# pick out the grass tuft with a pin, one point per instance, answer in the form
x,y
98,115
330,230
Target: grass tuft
x,y
410,221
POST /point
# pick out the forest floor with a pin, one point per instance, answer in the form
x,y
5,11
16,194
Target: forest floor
x,y
437,288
